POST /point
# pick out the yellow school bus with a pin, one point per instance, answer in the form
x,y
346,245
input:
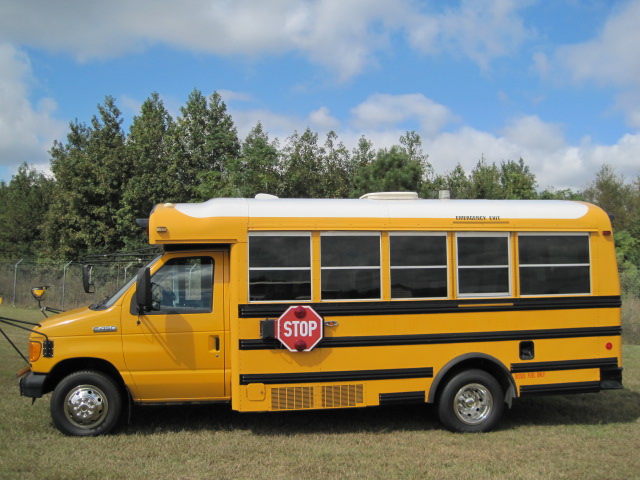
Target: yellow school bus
x,y
275,304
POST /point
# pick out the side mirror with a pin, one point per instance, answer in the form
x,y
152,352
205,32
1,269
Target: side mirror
x,y
87,283
143,289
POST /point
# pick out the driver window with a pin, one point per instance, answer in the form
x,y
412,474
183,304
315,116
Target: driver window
x,y
183,285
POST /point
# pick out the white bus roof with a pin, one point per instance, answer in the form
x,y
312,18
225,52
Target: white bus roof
x,y
365,208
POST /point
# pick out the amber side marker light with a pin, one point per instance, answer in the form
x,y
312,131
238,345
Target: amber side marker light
x,y
35,350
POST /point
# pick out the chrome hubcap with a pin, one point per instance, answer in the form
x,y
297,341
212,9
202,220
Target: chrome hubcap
x,y
473,403
86,406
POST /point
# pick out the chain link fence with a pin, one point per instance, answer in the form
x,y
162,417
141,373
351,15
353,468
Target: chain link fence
x,y
63,280
630,285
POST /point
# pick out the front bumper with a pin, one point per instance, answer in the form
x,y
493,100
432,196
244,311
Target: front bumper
x,y
33,385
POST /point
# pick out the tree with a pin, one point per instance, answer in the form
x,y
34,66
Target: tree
x,y
610,193
337,168
201,144
564,194
391,170
302,166
485,181
257,169
25,201
517,181
90,170
458,183
150,181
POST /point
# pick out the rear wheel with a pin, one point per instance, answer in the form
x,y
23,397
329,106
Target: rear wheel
x,y
472,401
86,403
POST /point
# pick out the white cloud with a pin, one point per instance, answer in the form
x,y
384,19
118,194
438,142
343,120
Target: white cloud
x,y
479,29
532,134
232,96
276,125
344,36
321,119
610,59
384,111
26,131
543,148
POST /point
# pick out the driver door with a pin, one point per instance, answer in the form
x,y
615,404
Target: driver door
x,y
175,352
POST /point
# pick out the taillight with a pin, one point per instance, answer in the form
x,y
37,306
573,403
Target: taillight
x,y
35,350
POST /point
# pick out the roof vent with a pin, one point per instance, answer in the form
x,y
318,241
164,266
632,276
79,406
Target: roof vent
x,y
390,196
265,196
444,194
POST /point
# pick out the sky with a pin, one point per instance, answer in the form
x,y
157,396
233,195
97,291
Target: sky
x,y
554,82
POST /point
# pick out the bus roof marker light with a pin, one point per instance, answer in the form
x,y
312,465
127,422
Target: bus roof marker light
x,y
300,312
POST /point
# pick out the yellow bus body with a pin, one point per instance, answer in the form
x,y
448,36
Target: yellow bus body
x,y
377,349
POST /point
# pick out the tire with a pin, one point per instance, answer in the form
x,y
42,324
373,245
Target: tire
x,y
86,404
471,402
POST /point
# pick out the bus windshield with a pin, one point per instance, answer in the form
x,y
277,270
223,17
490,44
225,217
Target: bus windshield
x,y
108,302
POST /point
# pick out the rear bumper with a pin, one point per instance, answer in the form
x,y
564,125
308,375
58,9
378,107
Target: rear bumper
x,y
610,378
33,384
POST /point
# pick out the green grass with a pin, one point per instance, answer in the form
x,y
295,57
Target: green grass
x,y
593,436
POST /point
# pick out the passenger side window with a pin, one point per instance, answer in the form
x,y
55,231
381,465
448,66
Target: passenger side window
x,y
554,264
418,265
183,285
279,267
350,266
483,264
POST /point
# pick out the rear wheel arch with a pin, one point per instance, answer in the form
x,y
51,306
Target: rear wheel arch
x,y
474,361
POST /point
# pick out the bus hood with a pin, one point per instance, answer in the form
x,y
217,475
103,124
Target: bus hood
x,y
81,322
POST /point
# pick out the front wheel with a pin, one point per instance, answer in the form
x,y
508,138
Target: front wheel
x,y
86,403
472,401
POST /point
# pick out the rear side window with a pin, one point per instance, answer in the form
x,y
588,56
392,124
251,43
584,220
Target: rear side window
x,y
554,264
350,266
418,265
279,267
483,264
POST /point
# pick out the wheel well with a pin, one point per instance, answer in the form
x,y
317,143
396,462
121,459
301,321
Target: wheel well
x,y
470,361
67,367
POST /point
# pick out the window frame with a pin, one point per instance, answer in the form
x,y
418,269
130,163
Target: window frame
x,y
555,234
305,234
347,233
508,266
446,266
178,309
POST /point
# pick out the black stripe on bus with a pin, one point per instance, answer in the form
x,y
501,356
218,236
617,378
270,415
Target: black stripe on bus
x,y
399,307
442,338
402,398
345,376
560,388
564,365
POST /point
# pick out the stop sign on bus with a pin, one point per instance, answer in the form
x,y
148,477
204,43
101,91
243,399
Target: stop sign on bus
x,y
299,328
